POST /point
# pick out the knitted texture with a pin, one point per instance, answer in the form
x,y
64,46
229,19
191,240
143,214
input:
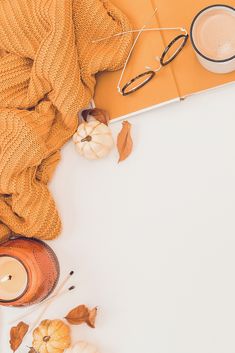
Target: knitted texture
x,y
47,68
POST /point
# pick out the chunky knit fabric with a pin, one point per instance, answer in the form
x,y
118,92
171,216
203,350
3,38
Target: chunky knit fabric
x,y
47,68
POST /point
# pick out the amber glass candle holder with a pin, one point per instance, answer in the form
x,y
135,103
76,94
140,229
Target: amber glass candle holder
x,y
29,271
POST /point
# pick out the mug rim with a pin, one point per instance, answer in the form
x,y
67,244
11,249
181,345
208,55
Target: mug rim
x,y
191,33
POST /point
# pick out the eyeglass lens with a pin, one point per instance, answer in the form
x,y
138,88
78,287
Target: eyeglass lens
x,y
173,49
137,82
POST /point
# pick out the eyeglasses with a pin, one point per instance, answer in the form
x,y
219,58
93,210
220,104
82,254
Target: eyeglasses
x,y
169,54
171,51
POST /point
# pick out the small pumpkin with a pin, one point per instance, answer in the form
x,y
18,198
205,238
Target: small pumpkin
x,y
82,347
51,336
93,139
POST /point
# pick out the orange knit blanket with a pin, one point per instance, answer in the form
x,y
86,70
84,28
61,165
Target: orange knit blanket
x,y
47,68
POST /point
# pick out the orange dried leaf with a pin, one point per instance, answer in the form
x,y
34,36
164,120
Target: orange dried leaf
x,y
17,334
80,315
92,317
124,141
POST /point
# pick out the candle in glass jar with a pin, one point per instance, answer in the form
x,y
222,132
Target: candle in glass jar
x,y
13,278
212,35
29,271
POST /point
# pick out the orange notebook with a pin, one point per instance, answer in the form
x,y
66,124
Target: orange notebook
x,y
183,77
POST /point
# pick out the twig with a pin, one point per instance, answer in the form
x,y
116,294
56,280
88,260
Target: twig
x,y
60,288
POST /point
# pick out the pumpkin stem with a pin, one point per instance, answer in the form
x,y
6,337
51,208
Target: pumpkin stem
x,y
46,338
87,139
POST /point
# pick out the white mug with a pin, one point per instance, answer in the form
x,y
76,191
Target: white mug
x,y
218,63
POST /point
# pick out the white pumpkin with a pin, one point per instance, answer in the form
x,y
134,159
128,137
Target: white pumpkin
x,y
82,347
93,139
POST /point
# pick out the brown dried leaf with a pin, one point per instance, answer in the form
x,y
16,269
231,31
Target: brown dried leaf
x,y
124,141
17,334
99,114
80,315
85,113
32,350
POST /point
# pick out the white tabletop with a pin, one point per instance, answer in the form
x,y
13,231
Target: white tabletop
x,y
152,240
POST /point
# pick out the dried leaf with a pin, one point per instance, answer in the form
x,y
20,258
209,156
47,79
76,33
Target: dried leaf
x,y
99,114
92,317
17,334
82,314
124,141
32,350
85,113
78,315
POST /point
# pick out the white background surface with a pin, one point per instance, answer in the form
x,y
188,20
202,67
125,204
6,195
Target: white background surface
x,y
152,240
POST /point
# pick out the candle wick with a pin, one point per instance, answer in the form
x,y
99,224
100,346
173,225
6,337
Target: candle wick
x,y
6,278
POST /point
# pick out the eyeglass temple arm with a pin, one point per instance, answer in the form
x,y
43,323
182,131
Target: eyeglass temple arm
x,y
128,58
131,50
141,30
